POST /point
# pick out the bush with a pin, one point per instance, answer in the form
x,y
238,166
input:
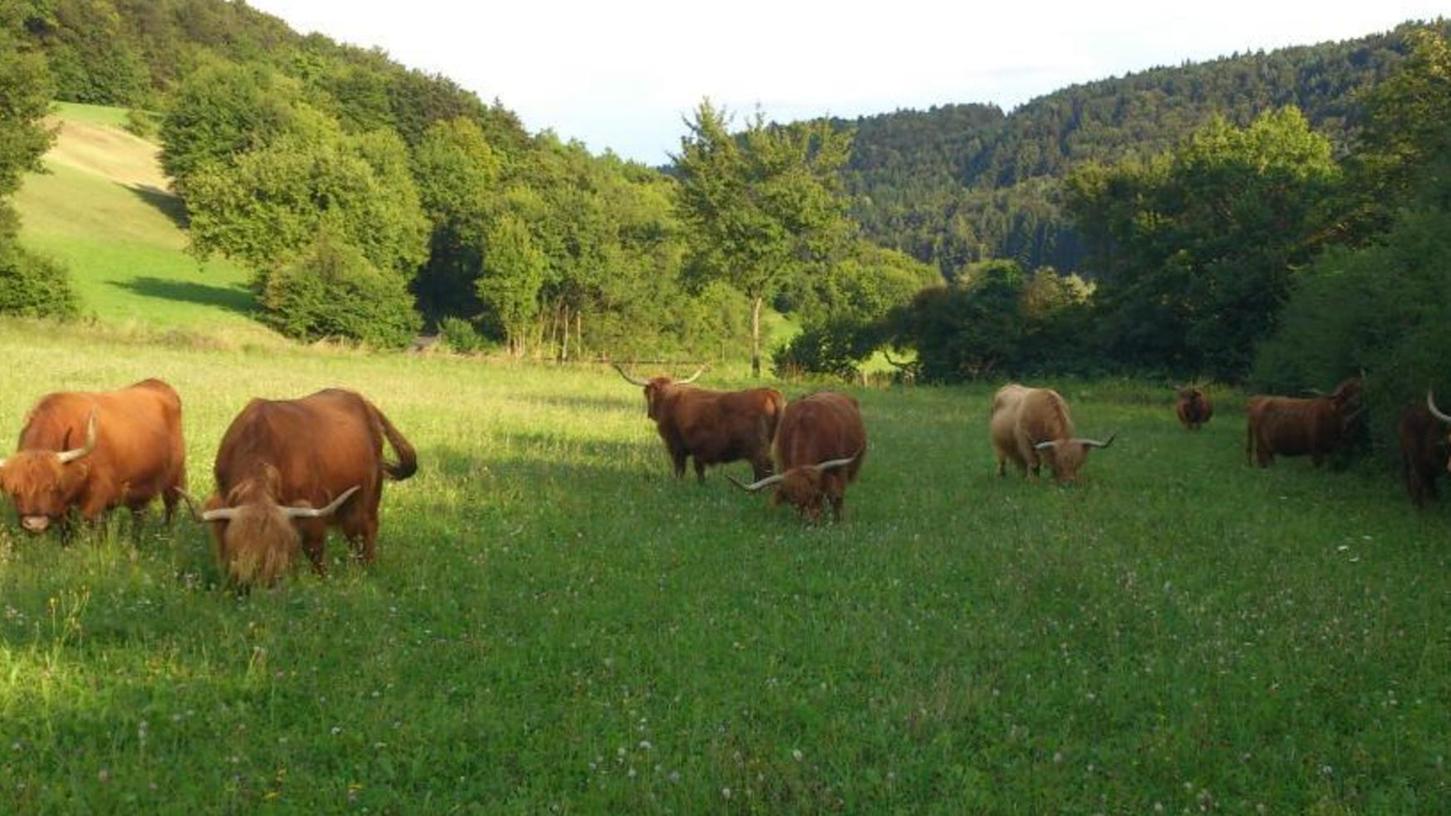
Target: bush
x,y
331,291
142,123
34,286
461,336
1386,309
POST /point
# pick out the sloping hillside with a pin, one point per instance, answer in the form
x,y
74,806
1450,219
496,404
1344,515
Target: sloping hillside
x,y
104,209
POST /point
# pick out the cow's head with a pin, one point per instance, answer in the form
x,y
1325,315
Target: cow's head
x,y
44,484
1066,456
656,388
801,487
1441,415
256,536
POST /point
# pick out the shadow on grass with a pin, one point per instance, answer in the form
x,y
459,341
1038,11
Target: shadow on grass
x,y
232,298
162,201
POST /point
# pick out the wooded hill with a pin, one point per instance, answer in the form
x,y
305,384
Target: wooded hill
x,y
962,183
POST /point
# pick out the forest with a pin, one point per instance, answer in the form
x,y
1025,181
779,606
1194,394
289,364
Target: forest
x,y
1196,221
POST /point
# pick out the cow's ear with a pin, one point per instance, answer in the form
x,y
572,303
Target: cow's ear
x,y
74,475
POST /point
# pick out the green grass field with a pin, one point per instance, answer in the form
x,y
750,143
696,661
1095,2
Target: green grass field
x,y
554,624
104,209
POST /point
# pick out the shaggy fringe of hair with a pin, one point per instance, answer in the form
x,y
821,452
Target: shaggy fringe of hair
x,y
268,543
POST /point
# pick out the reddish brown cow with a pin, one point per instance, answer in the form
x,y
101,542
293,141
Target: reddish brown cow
x,y
1193,407
96,450
1425,449
287,470
713,427
819,447
1031,425
1293,426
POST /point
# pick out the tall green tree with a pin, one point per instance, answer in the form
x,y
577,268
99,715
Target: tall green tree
x,y
761,206
1195,250
514,270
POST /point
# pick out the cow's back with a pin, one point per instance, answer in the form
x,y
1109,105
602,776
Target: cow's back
x,y
723,426
1004,419
820,427
321,445
1043,416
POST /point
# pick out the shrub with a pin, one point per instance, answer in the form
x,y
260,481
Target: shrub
x,y
332,291
142,123
460,335
34,286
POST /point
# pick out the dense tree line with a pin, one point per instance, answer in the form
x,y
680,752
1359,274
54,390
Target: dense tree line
x,y
371,201
29,284
964,183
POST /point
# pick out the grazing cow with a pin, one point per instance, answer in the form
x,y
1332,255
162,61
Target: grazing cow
x,y
819,447
1425,448
1193,407
93,451
1295,426
1031,425
713,427
288,469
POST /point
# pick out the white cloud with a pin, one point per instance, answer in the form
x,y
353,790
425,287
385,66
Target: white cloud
x,y
621,75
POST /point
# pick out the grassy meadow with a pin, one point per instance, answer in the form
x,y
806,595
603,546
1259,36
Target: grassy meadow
x,y
104,208
554,624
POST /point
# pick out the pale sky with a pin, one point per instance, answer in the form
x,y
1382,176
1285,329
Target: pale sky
x,y
620,75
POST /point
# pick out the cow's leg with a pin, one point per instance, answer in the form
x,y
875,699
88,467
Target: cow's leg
x,y
699,471
677,459
1317,459
838,500
761,466
314,543
169,499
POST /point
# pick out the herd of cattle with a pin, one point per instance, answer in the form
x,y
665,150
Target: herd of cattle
x,y
288,470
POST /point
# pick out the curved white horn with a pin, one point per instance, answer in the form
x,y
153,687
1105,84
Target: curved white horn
x,y
836,463
90,445
1094,443
754,486
321,512
1430,403
692,378
220,514
633,380
1045,445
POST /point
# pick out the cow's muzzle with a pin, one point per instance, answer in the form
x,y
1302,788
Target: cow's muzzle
x,y
35,524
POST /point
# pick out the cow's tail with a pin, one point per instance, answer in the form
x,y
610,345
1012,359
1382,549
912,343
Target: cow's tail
x,y
773,418
407,463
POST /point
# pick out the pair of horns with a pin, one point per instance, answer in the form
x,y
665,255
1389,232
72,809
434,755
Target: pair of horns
x,y
1435,412
829,464
638,381
66,457
1084,441
229,513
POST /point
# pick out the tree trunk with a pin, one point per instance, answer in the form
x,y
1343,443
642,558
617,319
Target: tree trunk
x,y
579,335
564,347
756,336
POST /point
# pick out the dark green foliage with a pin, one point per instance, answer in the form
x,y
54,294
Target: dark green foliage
x,y
1384,307
25,90
32,285
143,123
332,290
962,183
1194,250
271,202
223,111
995,321
89,53
760,206
461,336
842,306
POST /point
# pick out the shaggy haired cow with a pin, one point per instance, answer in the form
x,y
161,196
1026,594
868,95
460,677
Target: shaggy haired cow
x,y
92,451
1300,426
1193,407
289,469
712,427
819,447
1425,448
1032,425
